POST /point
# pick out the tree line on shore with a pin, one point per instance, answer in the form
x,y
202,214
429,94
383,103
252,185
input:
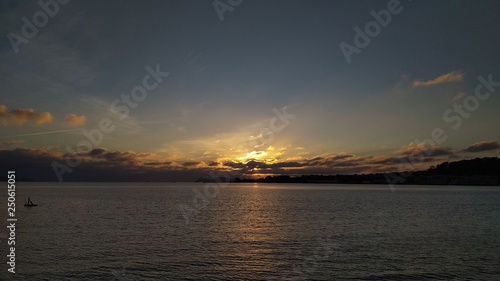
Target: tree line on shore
x,y
478,171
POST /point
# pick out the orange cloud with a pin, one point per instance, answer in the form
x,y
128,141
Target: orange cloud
x,y
452,77
75,120
459,96
17,117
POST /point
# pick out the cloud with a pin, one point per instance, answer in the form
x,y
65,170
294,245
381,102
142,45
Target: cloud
x,y
423,150
100,164
482,146
17,117
328,164
459,96
11,143
190,164
96,165
120,157
75,120
97,152
452,77
30,163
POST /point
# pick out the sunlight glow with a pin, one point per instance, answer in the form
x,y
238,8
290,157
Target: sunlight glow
x,y
253,155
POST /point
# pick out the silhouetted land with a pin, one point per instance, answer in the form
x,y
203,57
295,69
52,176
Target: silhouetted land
x,y
479,171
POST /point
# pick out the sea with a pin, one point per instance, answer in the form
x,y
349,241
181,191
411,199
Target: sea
x,y
252,231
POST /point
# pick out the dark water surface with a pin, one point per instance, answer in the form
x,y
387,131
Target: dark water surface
x,y
137,231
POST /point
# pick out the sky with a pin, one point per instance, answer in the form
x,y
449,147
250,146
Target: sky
x,y
178,90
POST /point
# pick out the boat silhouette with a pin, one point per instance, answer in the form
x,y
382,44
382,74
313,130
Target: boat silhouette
x,y
29,203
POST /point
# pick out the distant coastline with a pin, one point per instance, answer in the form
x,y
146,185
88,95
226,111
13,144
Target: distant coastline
x,y
479,171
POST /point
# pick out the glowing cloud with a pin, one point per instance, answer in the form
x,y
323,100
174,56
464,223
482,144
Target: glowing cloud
x,y
459,96
17,117
75,120
452,77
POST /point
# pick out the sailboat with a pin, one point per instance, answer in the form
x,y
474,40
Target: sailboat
x,y
29,203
